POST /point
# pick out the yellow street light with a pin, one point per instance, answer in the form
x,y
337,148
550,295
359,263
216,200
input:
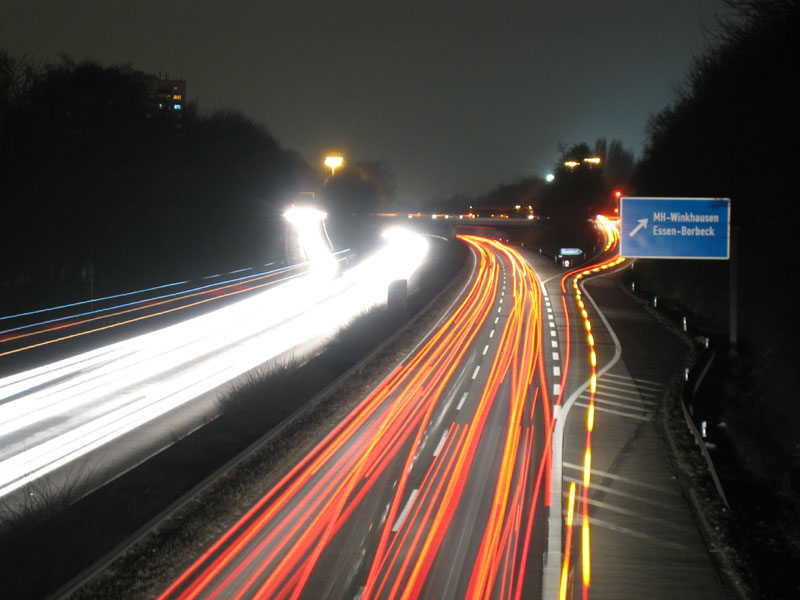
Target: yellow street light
x,y
571,164
595,160
334,162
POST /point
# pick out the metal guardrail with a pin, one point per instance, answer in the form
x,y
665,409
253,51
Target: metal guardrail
x,y
690,387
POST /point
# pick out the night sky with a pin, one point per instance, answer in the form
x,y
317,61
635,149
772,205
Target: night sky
x,y
457,96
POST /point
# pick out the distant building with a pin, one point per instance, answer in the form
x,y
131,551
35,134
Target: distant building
x,y
167,96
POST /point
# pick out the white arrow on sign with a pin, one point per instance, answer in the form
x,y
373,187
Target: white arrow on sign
x,y
642,223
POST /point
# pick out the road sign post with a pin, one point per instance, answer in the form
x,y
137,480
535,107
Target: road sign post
x,y
690,228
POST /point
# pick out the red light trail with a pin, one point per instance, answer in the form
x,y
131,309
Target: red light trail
x,y
487,470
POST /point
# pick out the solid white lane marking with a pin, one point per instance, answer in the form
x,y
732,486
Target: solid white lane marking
x,y
475,372
655,384
552,572
597,474
461,402
619,413
630,399
638,534
399,522
629,387
441,444
629,405
614,491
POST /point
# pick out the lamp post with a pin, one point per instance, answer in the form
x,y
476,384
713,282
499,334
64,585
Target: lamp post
x,y
334,162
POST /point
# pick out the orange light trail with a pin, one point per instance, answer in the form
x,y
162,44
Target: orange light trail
x,y
612,240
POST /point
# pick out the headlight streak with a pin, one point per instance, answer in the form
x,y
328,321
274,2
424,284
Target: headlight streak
x,y
273,550
234,288
93,398
612,241
209,287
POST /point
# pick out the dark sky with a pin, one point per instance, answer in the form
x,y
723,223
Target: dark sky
x,y
457,96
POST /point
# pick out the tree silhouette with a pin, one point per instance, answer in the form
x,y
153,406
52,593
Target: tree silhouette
x,y
94,183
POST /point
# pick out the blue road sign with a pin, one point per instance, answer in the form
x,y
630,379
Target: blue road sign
x,y
570,251
675,227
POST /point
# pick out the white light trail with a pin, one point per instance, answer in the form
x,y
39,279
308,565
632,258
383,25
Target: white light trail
x,y
52,415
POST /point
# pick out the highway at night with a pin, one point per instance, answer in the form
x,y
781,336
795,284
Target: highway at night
x,y
491,462
432,486
469,472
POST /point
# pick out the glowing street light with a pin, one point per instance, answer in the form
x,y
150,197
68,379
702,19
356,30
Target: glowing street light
x,y
594,160
571,164
333,162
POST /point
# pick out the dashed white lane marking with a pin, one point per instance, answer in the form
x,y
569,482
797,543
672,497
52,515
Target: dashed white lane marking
x,y
555,356
554,343
556,389
496,319
402,517
485,349
556,371
475,372
461,402
491,333
441,444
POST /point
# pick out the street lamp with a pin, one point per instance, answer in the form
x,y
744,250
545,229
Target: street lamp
x,y
334,162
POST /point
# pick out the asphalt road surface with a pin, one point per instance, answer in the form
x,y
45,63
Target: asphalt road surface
x,y
513,454
433,487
